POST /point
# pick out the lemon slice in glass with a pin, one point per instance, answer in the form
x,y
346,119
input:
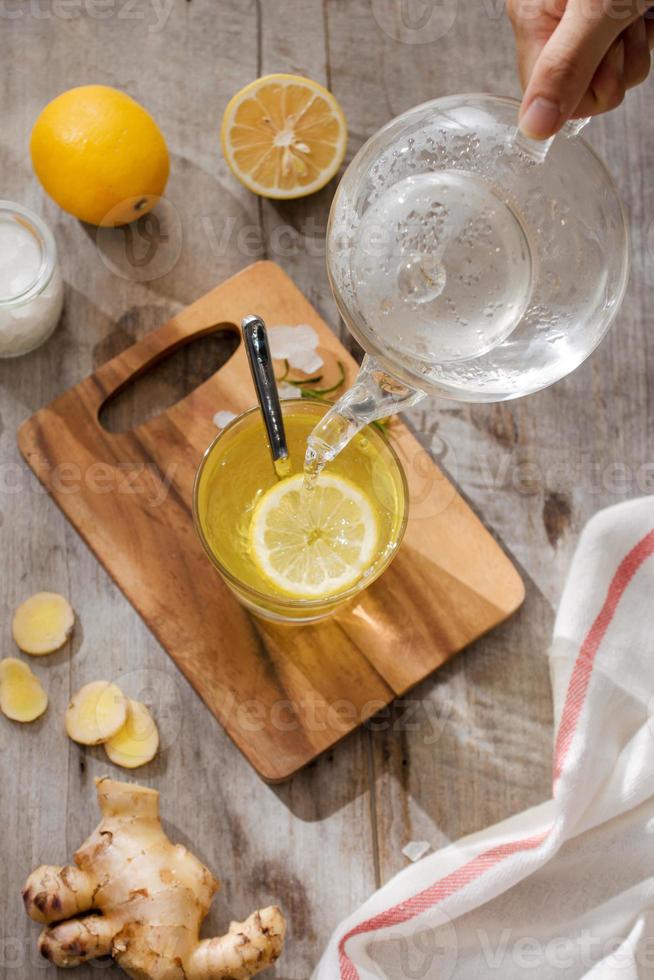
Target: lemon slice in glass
x,y
317,543
284,136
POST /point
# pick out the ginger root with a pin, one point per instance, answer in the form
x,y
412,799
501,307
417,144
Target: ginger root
x,y
43,623
21,696
149,898
95,713
137,741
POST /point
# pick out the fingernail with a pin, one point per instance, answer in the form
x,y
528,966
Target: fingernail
x,y
540,119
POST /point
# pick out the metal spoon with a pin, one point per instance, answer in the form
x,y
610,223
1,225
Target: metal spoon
x,y
261,366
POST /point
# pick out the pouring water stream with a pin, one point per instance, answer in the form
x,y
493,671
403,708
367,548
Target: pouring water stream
x,y
374,395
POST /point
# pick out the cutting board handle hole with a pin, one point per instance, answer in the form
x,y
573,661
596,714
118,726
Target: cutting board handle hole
x,y
169,378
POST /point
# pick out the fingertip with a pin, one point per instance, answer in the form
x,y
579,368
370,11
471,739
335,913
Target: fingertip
x,y
541,119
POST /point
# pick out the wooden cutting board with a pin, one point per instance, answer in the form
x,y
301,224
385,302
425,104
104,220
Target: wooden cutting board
x,y
283,693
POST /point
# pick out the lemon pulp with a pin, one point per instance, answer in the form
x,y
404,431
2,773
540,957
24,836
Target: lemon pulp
x,y
284,136
312,544
238,474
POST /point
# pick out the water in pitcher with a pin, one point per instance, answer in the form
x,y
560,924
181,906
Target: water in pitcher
x,y
441,267
441,273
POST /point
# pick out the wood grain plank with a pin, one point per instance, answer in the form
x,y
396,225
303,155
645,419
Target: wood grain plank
x,y
293,39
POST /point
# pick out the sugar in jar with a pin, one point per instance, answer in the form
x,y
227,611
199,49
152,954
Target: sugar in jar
x,y
31,287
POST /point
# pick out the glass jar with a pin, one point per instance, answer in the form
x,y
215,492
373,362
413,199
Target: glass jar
x,y
31,287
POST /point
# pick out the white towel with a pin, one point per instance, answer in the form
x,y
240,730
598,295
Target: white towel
x,y
564,890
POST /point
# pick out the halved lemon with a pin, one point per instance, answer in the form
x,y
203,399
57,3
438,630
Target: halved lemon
x,y
284,136
317,543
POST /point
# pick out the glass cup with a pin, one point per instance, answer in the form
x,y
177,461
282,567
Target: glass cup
x,y
237,469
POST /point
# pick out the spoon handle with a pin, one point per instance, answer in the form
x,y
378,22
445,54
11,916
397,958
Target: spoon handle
x,y
261,366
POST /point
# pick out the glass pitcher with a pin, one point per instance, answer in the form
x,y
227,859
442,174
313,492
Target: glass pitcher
x,y
469,261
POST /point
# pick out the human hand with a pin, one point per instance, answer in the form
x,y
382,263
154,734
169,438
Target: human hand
x,y
578,57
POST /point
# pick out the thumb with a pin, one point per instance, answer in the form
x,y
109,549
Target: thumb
x,y
564,70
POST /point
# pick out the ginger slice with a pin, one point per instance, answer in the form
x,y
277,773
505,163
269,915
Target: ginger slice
x,y
95,713
21,696
43,623
137,742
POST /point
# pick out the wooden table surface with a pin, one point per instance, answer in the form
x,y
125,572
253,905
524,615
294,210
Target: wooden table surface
x,y
472,745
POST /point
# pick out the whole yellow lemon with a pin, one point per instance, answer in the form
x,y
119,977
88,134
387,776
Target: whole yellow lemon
x,y
100,155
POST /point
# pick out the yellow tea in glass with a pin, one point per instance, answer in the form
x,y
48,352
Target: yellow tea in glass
x,y
291,553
